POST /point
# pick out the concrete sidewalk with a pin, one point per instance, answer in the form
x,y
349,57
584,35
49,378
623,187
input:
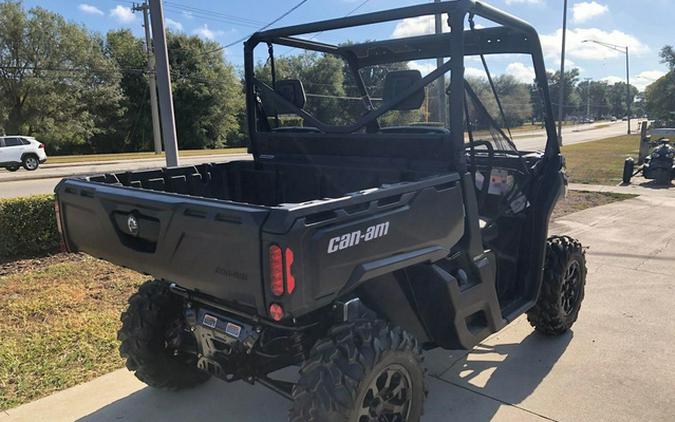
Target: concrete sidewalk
x,y
617,365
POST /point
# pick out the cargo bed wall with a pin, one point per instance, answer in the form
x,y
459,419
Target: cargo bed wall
x,y
259,183
211,246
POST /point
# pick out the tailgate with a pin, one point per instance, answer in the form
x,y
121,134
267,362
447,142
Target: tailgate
x,y
207,245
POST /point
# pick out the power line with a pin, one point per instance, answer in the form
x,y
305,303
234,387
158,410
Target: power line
x,y
192,9
283,15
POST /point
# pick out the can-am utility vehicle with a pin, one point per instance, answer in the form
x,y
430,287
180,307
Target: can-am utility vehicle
x,y
349,244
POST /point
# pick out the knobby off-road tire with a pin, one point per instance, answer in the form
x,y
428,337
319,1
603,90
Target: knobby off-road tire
x,y
628,169
145,323
562,289
662,177
359,371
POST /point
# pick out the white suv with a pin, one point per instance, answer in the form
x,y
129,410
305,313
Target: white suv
x,y
26,151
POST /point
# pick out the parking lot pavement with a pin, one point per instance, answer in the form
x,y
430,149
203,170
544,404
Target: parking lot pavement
x,y
618,364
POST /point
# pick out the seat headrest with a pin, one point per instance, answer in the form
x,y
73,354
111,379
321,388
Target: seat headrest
x,y
292,91
398,81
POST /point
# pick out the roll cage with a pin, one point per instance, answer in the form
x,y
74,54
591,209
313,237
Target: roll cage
x,y
511,36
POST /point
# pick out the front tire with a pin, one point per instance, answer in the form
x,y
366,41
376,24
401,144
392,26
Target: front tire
x,y
31,162
12,168
562,289
362,371
152,312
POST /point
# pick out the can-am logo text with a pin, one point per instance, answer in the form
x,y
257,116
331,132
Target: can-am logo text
x,y
348,240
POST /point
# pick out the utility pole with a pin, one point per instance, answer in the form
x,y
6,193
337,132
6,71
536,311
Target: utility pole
x,y
628,101
156,130
624,50
561,100
164,83
588,98
440,82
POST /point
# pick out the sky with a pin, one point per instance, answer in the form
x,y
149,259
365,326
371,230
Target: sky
x,y
643,26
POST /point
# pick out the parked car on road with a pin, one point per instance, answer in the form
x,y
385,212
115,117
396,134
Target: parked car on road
x,y
17,151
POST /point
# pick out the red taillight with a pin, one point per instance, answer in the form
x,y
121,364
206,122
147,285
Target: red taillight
x,y
41,146
276,312
276,271
290,280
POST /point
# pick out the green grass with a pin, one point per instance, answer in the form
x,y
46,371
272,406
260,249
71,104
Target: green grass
x,y
61,159
59,324
600,162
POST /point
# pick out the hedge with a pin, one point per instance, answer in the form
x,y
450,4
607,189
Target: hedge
x,y
28,227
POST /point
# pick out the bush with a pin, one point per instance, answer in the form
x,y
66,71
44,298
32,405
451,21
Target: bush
x,y
28,227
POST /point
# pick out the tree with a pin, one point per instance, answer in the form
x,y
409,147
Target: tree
x,y
54,77
668,56
616,96
514,96
324,81
660,95
131,127
207,95
571,100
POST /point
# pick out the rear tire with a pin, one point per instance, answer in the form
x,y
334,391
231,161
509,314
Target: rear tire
x,y
562,289
31,162
662,177
151,313
628,168
12,168
361,371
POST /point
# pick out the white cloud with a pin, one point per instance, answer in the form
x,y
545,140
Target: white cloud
x,y
640,81
584,11
90,10
170,23
521,72
417,26
187,15
122,14
510,2
424,66
577,49
204,32
474,72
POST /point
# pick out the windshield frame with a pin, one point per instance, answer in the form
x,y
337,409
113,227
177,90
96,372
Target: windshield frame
x,y
514,36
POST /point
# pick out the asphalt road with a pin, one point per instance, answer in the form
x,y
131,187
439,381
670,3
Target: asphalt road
x,y
24,183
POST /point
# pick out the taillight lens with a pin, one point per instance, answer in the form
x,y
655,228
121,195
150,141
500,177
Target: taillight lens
x,y
290,280
276,271
41,146
276,312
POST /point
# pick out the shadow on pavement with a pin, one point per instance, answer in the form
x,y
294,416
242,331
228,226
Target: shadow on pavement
x,y
503,374
507,373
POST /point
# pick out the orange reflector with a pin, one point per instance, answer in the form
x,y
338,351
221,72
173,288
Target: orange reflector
x,y
276,312
276,271
290,280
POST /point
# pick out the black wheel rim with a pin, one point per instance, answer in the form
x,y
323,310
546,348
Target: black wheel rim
x,y
388,397
570,287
